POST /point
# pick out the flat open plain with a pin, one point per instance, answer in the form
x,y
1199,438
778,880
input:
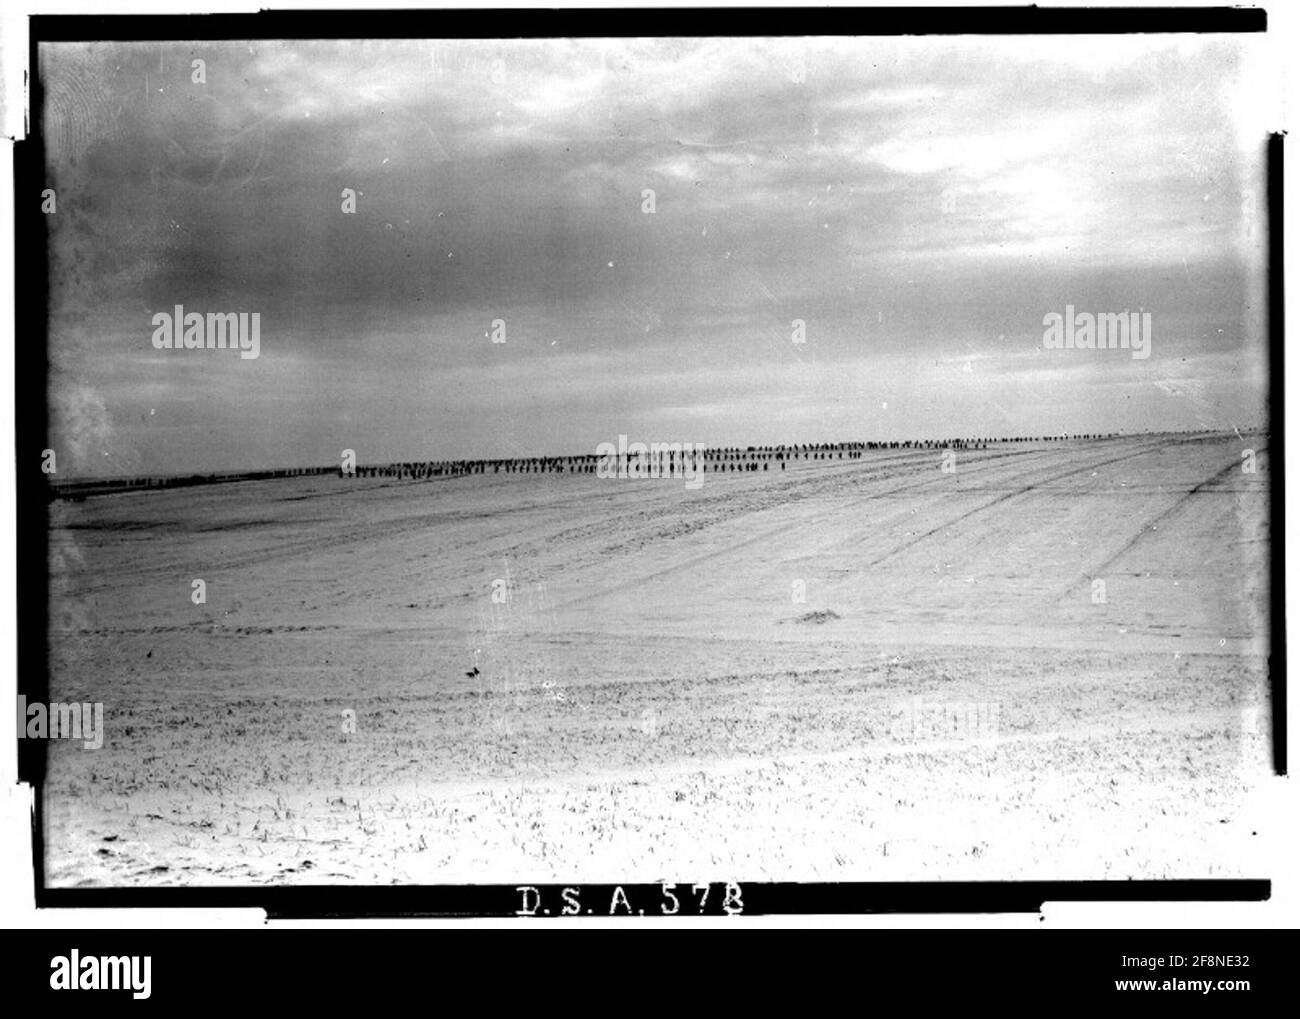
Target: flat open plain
x,y
652,702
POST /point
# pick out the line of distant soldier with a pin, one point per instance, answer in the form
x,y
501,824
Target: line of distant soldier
x,y
722,458
77,490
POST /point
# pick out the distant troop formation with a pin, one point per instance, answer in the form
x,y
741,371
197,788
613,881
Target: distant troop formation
x,y
725,459
714,460
78,490
752,458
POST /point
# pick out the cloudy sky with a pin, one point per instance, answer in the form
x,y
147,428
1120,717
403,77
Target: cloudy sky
x,y
919,204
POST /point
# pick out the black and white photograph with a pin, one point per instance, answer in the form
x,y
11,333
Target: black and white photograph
x,y
696,461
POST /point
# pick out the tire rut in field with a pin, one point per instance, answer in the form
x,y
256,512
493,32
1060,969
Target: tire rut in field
x,y
1148,525
346,536
349,535
801,524
1022,490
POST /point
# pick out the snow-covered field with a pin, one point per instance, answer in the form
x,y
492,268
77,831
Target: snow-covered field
x,y
849,670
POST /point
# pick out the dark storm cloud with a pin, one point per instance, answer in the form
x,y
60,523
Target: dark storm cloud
x,y
916,203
